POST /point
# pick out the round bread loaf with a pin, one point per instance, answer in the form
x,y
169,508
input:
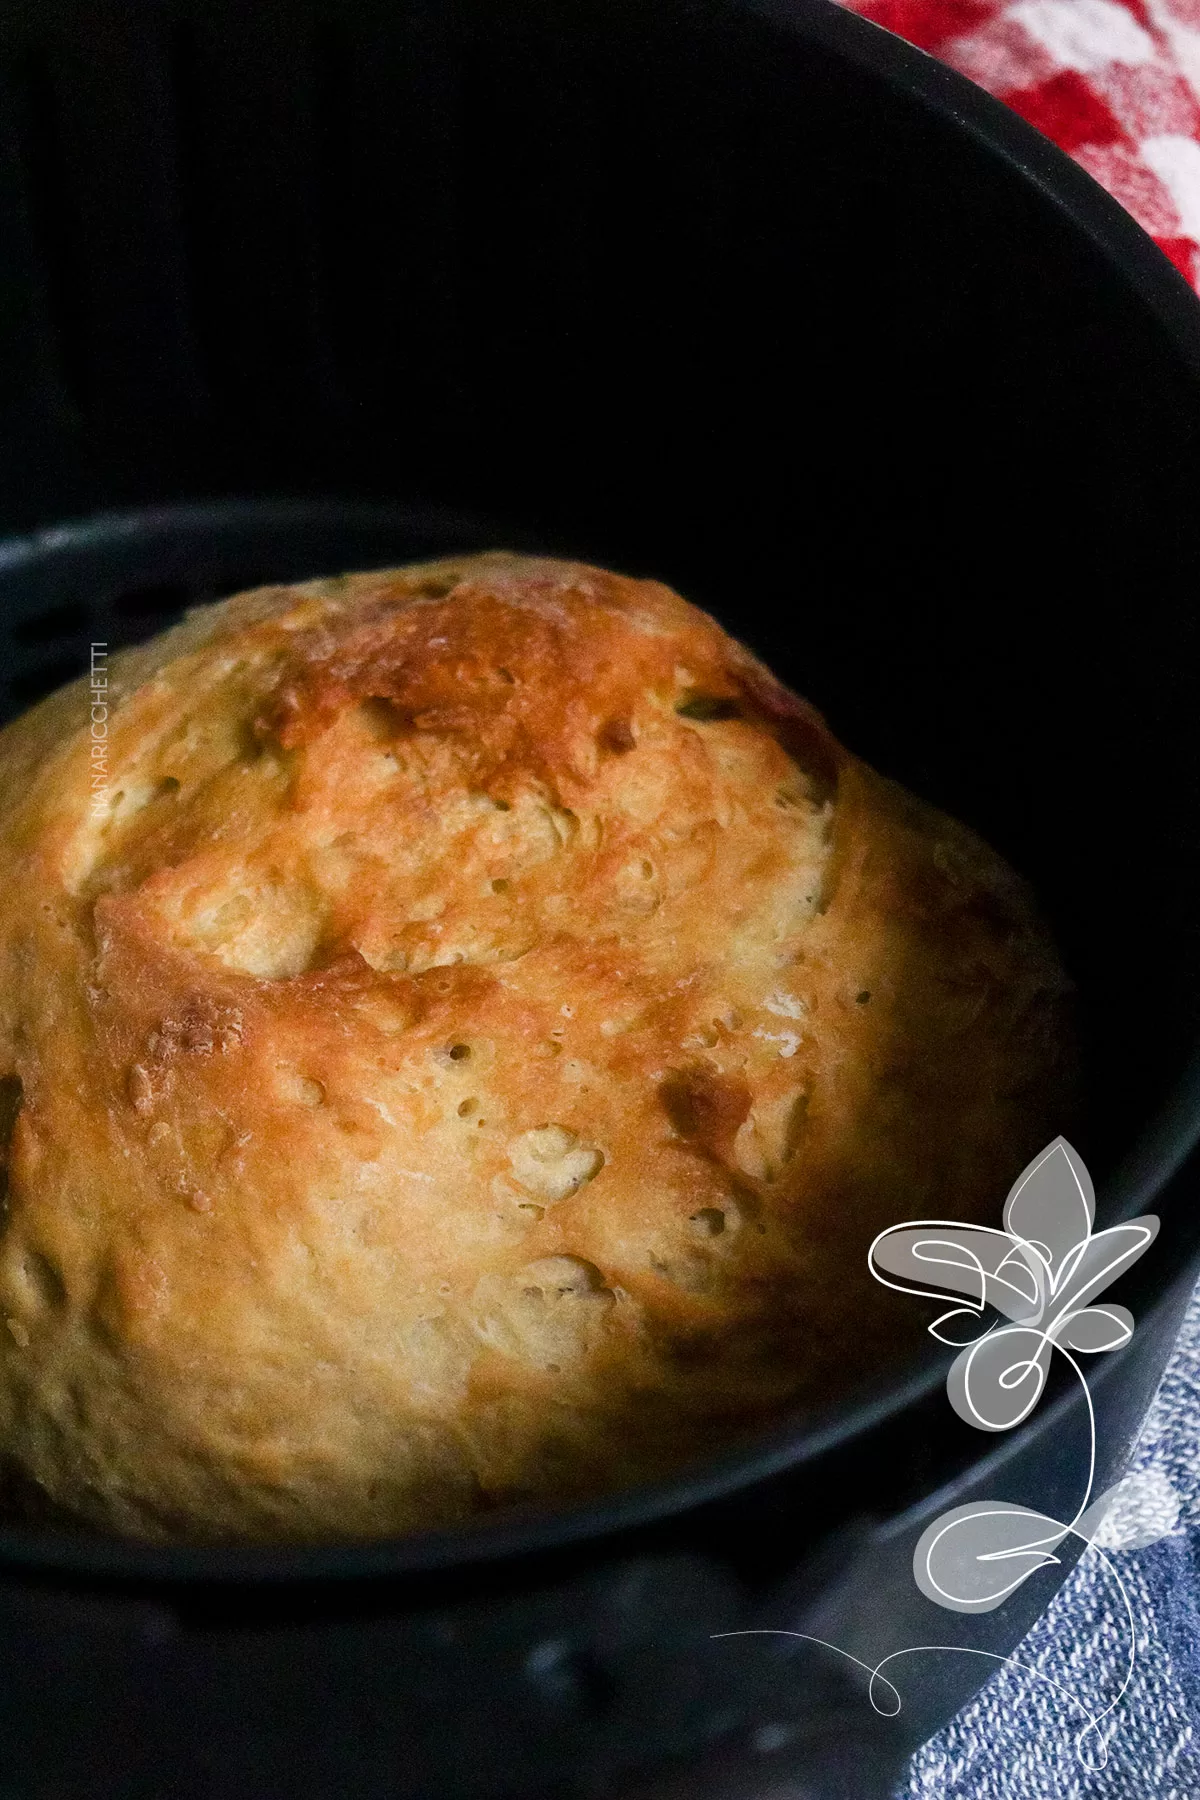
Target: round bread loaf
x,y
462,1032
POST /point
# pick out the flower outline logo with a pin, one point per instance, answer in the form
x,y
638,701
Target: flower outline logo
x,y
1041,1272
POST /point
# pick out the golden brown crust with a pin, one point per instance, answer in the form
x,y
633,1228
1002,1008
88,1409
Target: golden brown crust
x,y
468,1051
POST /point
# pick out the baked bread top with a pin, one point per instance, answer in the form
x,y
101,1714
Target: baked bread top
x,y
462,1048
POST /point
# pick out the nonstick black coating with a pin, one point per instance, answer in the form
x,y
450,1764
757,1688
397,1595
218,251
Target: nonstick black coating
x,y
746,296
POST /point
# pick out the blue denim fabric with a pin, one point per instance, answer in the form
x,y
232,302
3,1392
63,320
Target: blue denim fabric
x,y
1016,1740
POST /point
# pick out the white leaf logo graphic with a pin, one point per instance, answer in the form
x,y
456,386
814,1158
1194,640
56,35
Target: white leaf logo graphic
x,y
1097,1328
1052,1206
973,1557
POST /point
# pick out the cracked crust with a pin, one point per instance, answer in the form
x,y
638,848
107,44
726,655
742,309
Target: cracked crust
x,y
465,1054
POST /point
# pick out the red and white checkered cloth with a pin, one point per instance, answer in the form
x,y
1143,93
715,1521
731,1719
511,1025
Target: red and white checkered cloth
x,y
1115,83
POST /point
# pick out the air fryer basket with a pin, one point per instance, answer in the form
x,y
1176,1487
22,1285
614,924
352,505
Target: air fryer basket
x,y
745,295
